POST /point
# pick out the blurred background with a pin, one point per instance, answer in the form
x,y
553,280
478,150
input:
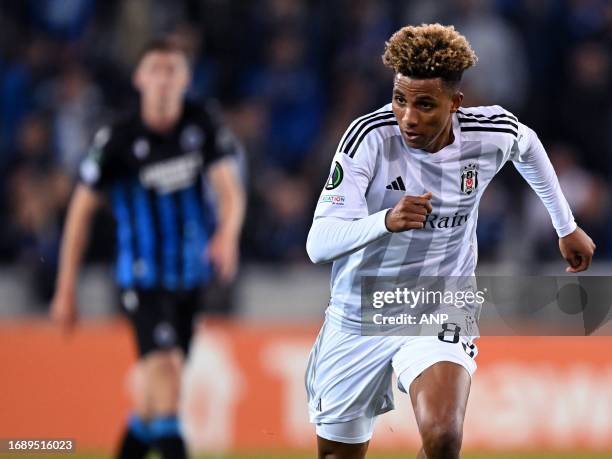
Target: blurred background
x,y
289,75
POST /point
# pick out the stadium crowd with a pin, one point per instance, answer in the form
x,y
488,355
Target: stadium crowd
x,y
290,76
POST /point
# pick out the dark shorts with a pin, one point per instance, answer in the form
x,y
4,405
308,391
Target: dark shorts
x,y
162,320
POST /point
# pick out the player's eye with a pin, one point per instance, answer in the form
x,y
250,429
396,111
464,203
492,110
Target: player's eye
x,y
400,99
426,105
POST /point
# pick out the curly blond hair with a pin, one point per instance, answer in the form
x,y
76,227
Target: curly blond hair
x,y
429,51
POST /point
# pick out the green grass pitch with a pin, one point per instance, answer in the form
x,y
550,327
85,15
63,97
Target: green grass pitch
x,y
407,455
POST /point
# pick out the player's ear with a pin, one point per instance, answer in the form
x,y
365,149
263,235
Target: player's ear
x,y
457,99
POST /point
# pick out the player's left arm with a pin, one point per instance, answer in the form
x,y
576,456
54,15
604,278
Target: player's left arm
x,y
223,247
532,162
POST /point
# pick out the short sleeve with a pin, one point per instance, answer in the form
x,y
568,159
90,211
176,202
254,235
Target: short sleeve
x,y
99,167
224,143
344,193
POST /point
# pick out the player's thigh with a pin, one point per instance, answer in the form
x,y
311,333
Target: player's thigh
x,y
437,374
439,397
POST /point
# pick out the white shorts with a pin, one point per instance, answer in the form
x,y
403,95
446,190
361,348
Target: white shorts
x,y
348,379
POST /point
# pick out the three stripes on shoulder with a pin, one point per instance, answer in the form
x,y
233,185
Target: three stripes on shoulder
x,y
361,127
502,122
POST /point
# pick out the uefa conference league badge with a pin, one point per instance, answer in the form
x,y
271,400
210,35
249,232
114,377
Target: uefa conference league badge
x,y
335,177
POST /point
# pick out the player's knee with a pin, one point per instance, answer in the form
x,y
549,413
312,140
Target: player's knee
x,y
343,451
164,364
163,369
441,439
329,449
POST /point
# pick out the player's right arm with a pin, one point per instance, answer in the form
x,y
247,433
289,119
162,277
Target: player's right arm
x,y
98,168
342,222
82,207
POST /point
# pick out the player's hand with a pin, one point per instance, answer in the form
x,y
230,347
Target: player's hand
x,y
63,309
409,213
577,248
223,254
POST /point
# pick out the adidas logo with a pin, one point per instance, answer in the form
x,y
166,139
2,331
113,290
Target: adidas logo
x,y
397,184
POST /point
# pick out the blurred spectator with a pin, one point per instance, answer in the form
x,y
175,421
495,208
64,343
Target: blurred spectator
x,y
132,29
587,18
17,90
291,91
62,19
76,105
283,219
366,26
587,103
204,70
493,222
38,193
501,74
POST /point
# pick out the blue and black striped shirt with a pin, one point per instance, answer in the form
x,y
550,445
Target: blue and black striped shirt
x,y
156,187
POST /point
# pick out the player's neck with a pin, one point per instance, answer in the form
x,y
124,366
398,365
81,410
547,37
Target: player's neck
x,y
446,137
161,119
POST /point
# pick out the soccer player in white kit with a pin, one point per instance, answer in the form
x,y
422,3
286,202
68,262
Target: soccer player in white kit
x,y
402,200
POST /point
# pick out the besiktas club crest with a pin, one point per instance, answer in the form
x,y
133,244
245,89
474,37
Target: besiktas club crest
x,y
469,178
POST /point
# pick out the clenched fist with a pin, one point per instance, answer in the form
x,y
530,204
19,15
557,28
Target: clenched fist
x,y
578,249
409,213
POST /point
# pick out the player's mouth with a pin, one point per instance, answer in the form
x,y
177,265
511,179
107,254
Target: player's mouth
x,y
412,136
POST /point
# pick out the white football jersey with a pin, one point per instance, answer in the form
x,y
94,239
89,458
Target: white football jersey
x,y
373,168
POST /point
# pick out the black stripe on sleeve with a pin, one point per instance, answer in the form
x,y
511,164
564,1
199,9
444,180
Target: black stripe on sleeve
x,y
346,144
365,132
488,129
492,117
468,120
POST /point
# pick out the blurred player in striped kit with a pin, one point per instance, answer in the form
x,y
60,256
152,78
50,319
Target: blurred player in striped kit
x,y
153,167
402,201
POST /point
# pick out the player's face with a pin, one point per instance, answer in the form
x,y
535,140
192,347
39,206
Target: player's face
x,y
423,108
162,77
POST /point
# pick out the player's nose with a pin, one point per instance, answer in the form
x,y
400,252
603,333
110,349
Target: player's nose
x,y
409,118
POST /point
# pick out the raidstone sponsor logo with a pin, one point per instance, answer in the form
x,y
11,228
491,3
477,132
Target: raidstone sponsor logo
x,y
333,199
173,174
442,221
